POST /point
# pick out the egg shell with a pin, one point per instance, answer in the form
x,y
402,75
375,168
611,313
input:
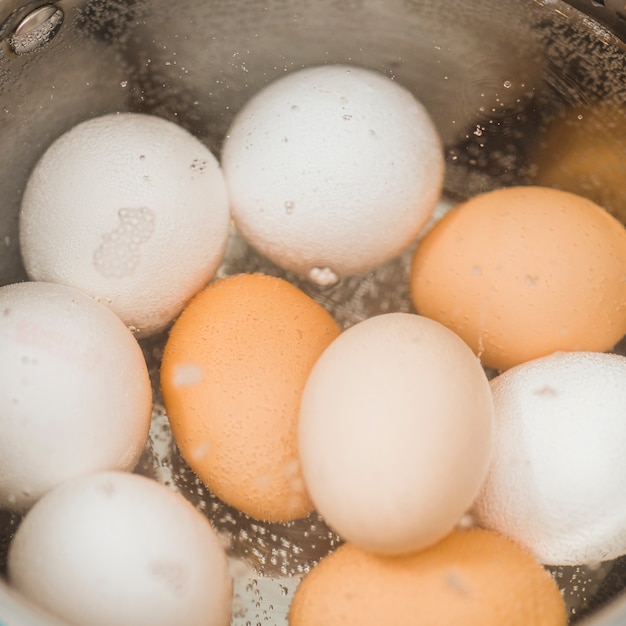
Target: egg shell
x,y
130,208
332,170
232,374
556,481
584,151
472,577
522,272
395,432
75,394
114,548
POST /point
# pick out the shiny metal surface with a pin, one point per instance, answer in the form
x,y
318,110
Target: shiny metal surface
x,y
36,29
495,74
609,13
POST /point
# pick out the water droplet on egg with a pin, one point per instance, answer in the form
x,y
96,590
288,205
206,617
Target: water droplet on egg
x,y
118,254
187,374
200,452
291,468
198,165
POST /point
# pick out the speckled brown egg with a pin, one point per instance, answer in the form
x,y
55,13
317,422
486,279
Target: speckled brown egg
x,y
472,577
584,151
233,371
522,272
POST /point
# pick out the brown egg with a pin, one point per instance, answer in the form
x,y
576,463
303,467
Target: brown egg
x,y
522,272
471,578
233,371
584,151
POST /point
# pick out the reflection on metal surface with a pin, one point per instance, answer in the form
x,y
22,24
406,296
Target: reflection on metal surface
x,y
36,30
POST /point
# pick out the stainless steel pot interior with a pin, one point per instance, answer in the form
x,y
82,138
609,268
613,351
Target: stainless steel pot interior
x,y
497,76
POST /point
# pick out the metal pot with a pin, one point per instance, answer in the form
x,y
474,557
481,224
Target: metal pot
x,y
512,85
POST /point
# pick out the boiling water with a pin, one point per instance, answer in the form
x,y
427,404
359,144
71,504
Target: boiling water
x,y
495,75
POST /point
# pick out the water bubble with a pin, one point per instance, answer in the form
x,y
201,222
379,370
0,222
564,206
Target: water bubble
x,y
118,254
323,276
198,165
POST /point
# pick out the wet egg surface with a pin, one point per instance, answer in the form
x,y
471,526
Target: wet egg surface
x,y
75,395
472,577
556,479
114,548
332,170
232,375
395,432
131,209
521,272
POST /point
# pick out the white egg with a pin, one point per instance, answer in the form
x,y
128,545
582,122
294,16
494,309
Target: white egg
x,y
395,432
130,208
75,394
332,170
556,482
115,548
